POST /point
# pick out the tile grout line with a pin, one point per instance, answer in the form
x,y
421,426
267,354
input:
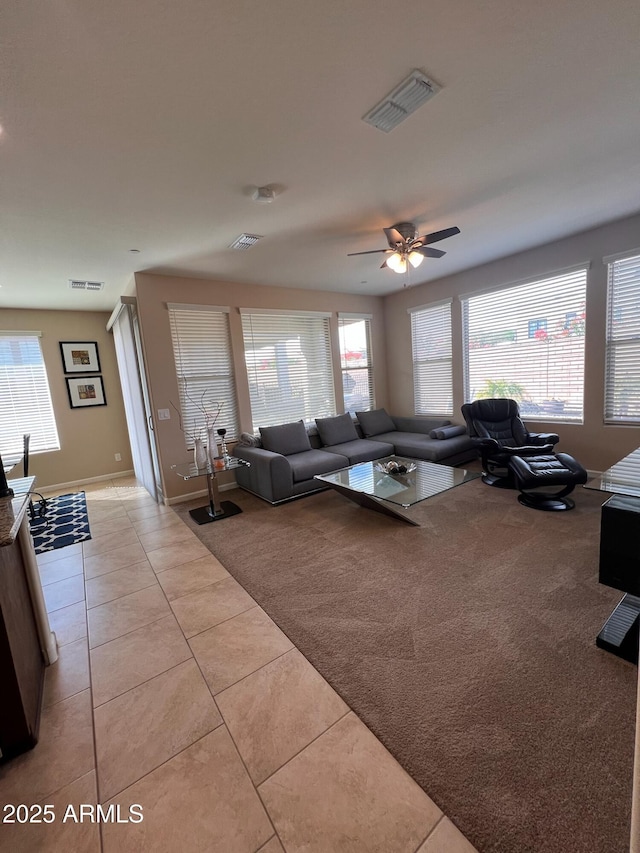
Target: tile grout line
x,y
213,696
432,830
223,722
90,688
146,681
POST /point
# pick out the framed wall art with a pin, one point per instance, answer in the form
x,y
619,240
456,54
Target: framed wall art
x,y
85,391
80,356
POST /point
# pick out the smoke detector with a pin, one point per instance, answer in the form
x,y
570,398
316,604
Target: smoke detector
x,y
405,99
245,241
78,284
263,195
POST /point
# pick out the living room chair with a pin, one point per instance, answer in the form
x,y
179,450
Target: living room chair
x,y
513,457
498,432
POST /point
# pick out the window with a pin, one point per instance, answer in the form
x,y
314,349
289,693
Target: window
x,y
355,362
432,373
25,399
288,358
622,376
526,342
202,352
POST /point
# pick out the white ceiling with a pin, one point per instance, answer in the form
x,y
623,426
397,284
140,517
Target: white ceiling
x,y
140,125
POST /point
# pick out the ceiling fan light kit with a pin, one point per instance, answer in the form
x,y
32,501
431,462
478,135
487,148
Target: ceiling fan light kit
x,y
415,259
406,248
396,262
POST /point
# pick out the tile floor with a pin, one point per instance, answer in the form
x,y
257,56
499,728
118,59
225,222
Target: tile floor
x,y
175,691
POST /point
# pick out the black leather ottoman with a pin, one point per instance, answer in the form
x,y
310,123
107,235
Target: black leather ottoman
x,y
547,470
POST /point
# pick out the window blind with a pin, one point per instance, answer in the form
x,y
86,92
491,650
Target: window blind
x,y
432,371
526,342
622,373
25,398
356,362
289,367
204,368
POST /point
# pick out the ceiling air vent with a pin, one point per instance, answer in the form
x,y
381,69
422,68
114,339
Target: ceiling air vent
x,y
404,100
245,241
77,284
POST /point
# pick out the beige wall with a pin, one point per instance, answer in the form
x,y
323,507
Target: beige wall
x,y
89,438
595,444
154,291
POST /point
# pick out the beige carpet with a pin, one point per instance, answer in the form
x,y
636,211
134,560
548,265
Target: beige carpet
x,y
466,645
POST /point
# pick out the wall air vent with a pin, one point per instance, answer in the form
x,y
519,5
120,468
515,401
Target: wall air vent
x,y
77,284
245,241
404,100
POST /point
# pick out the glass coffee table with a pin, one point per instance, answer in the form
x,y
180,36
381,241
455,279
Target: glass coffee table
x,y
383,492
216,509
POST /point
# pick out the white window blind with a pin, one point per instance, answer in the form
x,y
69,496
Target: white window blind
x,y
25,399
356,362
289,368
432,372
622,377
202,352
526,342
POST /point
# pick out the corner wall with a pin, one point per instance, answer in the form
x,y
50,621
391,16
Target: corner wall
x,y
595,444
89,437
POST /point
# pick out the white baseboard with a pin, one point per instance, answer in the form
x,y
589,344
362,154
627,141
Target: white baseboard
x,y
199,494
71,483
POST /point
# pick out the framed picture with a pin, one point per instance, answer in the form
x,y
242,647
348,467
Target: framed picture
x,y
85,391
80,356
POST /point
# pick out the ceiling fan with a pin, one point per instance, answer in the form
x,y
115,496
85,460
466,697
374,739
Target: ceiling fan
x,y
405,247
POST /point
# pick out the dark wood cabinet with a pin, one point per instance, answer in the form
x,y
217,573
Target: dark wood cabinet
x,y
21,660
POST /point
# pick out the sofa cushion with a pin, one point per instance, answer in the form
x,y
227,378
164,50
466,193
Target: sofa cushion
x,y
248,440
447,432
375,422
304,466
417,445
362,450
336,430
285,438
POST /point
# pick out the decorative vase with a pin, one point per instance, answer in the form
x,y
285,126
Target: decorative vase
x,y
199,454
212,446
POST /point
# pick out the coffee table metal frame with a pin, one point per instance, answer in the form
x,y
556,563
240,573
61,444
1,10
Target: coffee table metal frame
x,y
216,509
381,492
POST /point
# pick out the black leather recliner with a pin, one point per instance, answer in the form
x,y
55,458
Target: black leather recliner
x,y
499,434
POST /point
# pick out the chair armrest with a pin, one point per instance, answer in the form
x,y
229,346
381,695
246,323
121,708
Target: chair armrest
x,y
544,438
486,444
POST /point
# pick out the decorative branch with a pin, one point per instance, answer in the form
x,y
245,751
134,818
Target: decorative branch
x,y
210,410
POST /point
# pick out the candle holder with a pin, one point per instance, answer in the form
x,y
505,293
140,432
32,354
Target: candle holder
x,y
223,444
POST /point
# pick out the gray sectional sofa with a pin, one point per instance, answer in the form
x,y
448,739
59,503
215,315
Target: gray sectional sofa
x,y
284,459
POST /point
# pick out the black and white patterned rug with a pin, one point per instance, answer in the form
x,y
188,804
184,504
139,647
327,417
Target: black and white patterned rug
x,y
62,521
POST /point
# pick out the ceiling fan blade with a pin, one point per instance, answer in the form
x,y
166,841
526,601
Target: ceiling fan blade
x,y
428,252
393,236
370,252
438,235
384,265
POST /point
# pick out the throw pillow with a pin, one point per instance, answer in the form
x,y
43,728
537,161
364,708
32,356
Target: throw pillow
x,y
375,422
336,430
447,432
248,440
285,438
